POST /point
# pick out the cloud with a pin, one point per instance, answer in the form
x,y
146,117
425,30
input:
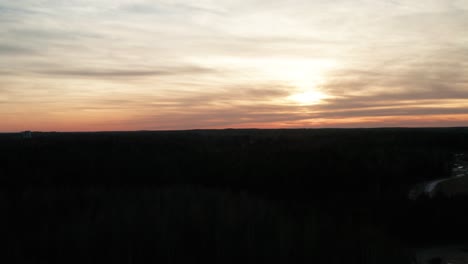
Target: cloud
x,y
435,70
113,73
15,50
430,83
162,8
187,64
229,97
227,116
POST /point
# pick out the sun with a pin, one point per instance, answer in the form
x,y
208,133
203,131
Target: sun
x,y
308,97
307,77
302,78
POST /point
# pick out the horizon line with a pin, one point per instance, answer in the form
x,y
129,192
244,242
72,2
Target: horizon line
x,y
227,128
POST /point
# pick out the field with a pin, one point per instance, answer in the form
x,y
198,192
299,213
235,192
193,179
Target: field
x,y
312,195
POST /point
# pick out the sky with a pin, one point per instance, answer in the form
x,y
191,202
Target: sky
x,y
98,65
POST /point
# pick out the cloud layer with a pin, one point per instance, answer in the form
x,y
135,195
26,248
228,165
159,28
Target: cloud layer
x,y
140,64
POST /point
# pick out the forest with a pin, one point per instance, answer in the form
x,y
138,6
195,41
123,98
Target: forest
x,y
252,195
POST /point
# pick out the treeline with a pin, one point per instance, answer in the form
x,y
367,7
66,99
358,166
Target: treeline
x,y
369,163
326,196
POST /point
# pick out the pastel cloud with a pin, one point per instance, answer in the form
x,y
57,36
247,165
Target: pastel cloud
x,y
122,64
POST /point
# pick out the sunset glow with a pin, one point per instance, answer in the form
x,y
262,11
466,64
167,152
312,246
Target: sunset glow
x,y
307,97
137,64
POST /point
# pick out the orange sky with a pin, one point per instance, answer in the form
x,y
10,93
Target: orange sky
x,y
83,65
